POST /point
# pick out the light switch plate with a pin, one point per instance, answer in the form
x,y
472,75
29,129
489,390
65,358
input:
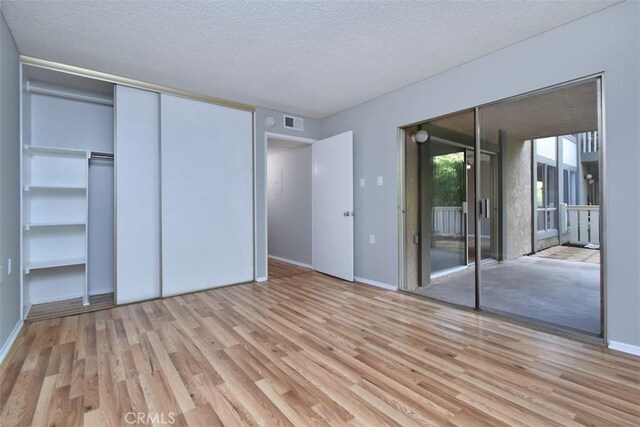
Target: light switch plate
x,y
380,180
361,182
372,239
9,267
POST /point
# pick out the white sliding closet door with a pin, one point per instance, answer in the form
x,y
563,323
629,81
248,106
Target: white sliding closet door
x,y
207,195
137,195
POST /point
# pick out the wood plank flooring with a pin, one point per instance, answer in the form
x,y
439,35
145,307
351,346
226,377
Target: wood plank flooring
x,y
307,349
70,307
279,269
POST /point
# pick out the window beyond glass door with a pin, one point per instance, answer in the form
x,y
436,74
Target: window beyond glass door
x,y
447,207
546,197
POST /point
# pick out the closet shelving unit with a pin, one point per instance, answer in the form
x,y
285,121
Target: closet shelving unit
x,y
55,206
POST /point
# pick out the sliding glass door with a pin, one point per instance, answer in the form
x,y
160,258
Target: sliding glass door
x,y
439,197
509,214
549,245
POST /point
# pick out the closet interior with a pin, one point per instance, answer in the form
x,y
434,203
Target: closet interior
x,y
68,193
129,193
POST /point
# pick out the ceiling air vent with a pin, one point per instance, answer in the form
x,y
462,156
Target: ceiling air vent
x,y
295,123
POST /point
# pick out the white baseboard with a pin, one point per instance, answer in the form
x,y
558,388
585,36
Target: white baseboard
x,y
290,261
376,284
261,279
624,347
27,309
6,346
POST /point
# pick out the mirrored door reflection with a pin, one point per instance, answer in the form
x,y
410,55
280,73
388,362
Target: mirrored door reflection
x,y
438,197
544,220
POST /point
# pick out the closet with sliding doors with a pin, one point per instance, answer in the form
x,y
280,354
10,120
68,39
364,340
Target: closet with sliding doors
x,y
129,193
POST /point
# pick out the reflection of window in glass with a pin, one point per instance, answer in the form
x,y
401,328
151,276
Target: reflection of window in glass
x,y
569,152
540,186
541,220
551,219
551,186
569,187
546,196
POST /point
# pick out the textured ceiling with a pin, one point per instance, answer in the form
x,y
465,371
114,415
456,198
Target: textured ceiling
x,y
308,58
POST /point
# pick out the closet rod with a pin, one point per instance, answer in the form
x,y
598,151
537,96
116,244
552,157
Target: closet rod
x,y
68,95
101,155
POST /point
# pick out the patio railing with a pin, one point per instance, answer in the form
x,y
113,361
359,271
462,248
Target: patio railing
x,y
582,223
447,221
589,142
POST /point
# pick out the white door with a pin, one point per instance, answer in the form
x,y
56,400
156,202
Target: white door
x,y
332,207
207,195
137,155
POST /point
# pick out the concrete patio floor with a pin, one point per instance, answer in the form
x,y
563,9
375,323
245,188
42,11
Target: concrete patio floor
x,y
571,253
547,288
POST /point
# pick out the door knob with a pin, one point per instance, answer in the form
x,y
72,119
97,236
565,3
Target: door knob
x,y
347,213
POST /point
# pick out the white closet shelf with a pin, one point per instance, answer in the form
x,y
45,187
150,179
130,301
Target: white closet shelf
x,y
54,224
56,151
36,265
54,187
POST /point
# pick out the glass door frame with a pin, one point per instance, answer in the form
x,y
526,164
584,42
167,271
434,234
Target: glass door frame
x,y
598,78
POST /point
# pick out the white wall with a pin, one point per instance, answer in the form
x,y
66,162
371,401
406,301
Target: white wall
x,y
606,41
311,131
9,184
290,208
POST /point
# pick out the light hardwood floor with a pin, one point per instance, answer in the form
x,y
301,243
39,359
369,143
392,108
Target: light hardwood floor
x,y
279,269
307,349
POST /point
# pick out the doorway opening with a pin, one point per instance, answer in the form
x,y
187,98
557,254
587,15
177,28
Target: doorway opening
x,y
289,203
309,203
501,208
